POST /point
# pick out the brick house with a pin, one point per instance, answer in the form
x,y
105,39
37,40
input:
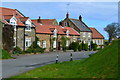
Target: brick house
x,y
49,35
97,38
24,29
80,27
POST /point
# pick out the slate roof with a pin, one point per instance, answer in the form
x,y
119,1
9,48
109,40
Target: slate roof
x,y
81,25
96,34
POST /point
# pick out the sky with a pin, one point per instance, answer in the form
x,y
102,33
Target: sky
x,y
94,14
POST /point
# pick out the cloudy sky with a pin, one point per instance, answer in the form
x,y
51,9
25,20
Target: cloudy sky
x,y
95,14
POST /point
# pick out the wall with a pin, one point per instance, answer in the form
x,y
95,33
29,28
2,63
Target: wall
x,y
20,37
44,37
99,42
30,34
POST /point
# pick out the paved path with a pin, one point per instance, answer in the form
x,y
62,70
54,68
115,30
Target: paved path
x,y
24,63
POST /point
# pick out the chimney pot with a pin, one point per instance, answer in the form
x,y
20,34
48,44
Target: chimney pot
x,y
80,18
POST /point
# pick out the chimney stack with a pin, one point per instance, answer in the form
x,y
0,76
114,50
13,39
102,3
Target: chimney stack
x,y
67,15
39,20
80,18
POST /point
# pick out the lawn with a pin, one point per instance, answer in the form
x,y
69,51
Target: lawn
x,y
4,54
103,64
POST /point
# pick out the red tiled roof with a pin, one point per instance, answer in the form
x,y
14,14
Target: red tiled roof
x,y
24,19
8,16
72,31
7,13
45,21
96,34
48,29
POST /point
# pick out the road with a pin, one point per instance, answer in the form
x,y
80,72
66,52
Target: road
x,y
22,64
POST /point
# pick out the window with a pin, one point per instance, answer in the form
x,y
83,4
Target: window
x,y
54,44
89,34
14,41
102,42
38,43
44,44
67,43
28,27
27,42
55,33
93,41
67,33
74,37
65,24
14,24
97,42
83,34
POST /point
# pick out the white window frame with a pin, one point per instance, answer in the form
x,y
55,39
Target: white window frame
x,y
67,43
55,33
67,33
28,25
13,21
74,37
54,44
44,44
14,42
102,42
84,34
89,34
29,42
97,42
38,43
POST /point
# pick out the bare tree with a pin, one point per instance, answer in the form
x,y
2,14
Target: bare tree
x,y
112,30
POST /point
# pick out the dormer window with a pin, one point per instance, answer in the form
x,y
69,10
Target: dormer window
x,y
13,22
55,33
28,27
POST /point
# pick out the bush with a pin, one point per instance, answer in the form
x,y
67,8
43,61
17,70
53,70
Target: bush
x,y
17,50
74,46
80,47
34,48
63,43
83,45
94,46
86,47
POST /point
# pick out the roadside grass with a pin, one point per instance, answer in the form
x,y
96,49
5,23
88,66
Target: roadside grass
x,y
4,54
103,64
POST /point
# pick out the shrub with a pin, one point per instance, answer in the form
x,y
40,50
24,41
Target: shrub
x,y
74,46
63,43
86,47
17,50
80,47
83,45
94,46
34,48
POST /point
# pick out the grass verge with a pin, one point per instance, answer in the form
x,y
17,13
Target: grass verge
x,y
103,64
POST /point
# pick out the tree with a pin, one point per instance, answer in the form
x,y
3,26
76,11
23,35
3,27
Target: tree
x,y
63,42
7,37
112,30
